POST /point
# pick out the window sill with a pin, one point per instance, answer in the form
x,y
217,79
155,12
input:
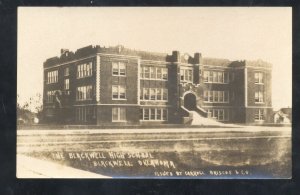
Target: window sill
x,y
216,102
214,83
119,99
154,100
84,100
119,121
153,79
84,77
115,75
259,83
152,120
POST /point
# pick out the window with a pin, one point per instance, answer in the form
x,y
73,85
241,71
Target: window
x,y
164,73
154,114
146,93
84,70
205,76
84,93
158,93
158,114
216,77
118,92
154,73
220,77
147,72
259,97
66,84
158,73
218,114
186,75
154,94
216,96
85,114
50,95
118,69
259,115
52,77
118,114
258,76
67,71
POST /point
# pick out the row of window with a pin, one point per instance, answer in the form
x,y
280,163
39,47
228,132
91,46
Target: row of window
x,y
154,73
154,114
216,96
52,77
154,94
84,70
186,75
217,77
223,114
84,92
85,114
147,72
218,114
50,96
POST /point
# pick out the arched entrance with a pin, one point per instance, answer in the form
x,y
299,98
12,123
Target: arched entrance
x,y
190,101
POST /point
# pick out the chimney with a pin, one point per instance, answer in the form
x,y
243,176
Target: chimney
x,y
63,51
176,56
198,58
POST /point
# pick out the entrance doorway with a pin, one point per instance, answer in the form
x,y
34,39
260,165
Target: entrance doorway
x,y
190,101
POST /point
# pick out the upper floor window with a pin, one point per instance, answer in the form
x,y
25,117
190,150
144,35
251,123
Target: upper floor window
x,y
154,73
259,97
84,92
259,115
67,84
215,77
118,92
216,96
52,77
259,77
67,71
119,68
154,94
84,70
186,75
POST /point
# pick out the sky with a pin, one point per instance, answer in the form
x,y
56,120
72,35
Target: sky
x,y
233,33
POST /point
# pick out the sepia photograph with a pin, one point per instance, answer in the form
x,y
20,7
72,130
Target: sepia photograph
x,y
154,92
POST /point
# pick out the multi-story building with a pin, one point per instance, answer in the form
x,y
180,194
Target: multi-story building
x,y
116,85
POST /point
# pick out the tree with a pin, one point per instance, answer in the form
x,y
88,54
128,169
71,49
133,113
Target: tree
x,y
29,109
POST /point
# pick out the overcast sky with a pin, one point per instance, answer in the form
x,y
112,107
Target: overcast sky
x,y
232,33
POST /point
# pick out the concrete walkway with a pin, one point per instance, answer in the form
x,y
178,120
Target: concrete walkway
x,y
29,167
